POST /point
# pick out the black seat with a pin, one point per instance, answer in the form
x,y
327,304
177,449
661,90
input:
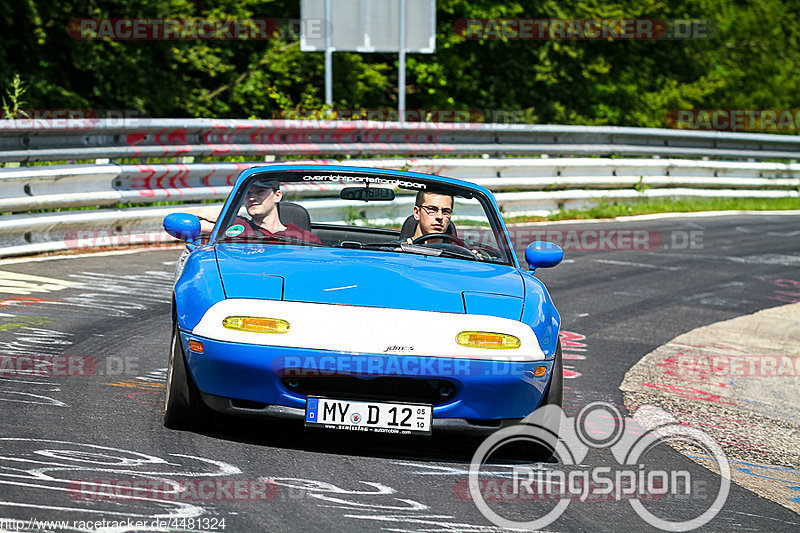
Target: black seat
x,y
410,227
294,213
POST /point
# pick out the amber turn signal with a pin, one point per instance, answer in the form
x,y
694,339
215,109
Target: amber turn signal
x,y
483,339
256,324
196,346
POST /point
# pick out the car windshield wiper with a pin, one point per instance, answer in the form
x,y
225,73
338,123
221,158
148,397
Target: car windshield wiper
x,y
461,255
419,249
388,244
437,252
359,245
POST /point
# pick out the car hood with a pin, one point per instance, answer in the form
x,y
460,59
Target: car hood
x,y
369,278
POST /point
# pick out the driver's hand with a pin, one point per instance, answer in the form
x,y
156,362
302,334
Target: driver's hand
x,y
479,254
409,241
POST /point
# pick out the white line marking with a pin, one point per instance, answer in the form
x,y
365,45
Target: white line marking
x,y
767,259
640,265
16,283
51,401
784,233
81,256
10,380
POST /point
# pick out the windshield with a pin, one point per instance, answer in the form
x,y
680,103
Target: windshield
x,y
394,214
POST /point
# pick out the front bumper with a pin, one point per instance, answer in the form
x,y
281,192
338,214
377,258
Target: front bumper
x,y
250,380
281,412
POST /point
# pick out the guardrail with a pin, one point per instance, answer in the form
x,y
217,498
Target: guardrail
x,y
522,186
64,186
70,139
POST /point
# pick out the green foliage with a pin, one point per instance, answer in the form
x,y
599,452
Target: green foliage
x,y
749,61
646,206
354,215
13,108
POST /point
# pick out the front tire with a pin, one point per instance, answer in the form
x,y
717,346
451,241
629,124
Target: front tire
x,y
183,406
555,390
540,451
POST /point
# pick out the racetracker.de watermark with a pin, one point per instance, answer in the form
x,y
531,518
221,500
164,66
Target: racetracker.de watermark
x,y
67,118
762,366
583,29
494,116
401,360
72,366
170,523
640,240
117,238
47,365
168,29
638,476
734,119
188,490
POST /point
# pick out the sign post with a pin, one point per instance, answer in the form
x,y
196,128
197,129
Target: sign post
x,y
328,56
369,26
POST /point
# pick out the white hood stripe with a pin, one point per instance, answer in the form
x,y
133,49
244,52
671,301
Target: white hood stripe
x,y
371,330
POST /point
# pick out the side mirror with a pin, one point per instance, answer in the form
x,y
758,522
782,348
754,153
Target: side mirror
x,y
182,226
543,254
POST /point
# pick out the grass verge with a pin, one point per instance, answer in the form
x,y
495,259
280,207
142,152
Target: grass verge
x,y
666,205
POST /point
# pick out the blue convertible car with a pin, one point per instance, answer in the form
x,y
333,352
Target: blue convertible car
x,y
360,299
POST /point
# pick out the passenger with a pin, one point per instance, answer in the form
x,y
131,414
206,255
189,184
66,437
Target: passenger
x,y
261,202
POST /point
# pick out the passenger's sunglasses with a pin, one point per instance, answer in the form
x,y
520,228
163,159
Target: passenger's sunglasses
x,y
432,210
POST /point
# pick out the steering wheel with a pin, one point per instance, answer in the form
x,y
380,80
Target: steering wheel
x,y
455,243
422,238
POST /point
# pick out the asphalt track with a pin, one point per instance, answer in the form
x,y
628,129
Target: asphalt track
x,y
737,380
103,322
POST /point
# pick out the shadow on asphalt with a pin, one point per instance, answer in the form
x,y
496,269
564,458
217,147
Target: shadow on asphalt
x,y
449,447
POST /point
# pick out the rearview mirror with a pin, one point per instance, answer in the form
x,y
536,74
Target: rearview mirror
x,y
367,194
182,226
543,254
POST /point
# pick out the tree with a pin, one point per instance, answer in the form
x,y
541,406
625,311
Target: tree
x,y
748,61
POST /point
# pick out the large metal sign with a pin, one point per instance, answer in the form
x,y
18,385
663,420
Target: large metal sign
x,y
400,26
369,25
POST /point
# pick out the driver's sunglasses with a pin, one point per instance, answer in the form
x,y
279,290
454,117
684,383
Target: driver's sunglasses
x,y
432,210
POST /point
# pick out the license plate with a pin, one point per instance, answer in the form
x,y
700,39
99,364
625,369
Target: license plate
x,y
375,417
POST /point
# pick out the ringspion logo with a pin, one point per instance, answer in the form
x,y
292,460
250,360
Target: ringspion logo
x,y
542,494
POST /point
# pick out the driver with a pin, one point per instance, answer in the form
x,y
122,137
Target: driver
x,y
261,202
432,212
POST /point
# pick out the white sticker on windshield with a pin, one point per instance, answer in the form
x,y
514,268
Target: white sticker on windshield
x,y
233,231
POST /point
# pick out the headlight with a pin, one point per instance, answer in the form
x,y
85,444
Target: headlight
x,y
256,324
483,339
